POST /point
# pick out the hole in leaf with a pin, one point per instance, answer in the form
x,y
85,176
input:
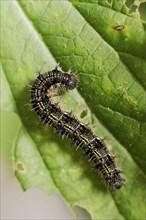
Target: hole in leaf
x,y
119,27
84,113
129,3
142,11
132,9
20,166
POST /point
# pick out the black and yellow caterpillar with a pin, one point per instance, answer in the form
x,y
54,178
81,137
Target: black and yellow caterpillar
x,y
68,125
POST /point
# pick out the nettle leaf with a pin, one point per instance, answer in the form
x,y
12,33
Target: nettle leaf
x,y
103,42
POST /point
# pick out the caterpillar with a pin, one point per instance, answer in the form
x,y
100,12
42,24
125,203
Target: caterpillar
x,y
68,125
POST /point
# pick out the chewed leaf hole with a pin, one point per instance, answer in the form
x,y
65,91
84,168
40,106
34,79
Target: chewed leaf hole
x,y
119,27
20,166
142,10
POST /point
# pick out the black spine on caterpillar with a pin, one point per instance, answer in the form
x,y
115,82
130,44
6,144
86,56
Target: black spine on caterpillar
x,y
69,126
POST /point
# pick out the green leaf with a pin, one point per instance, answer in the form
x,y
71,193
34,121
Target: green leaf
x,y
82,36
